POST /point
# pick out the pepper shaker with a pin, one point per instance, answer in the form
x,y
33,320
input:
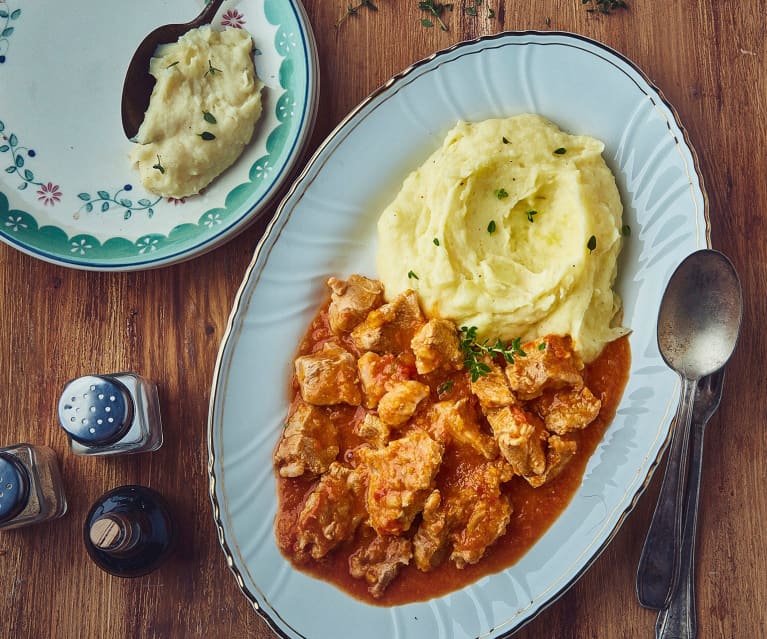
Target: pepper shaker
x,y
111,414
31,489
129,531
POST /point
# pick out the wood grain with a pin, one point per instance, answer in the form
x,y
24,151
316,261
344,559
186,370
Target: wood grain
x,y
707,57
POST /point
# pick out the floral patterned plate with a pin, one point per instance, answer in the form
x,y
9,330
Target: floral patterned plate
x,y
67,191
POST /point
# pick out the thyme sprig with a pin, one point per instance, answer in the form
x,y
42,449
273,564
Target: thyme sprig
x,y
435,10
353,10
605,6
473,10
475,352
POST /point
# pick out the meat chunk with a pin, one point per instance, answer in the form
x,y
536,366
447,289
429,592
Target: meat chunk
x,y
436,346
457,421
389,328
331,513
401,401
373,431
308,444
464,519
527,445
560,450
328,377
549,363
521,438
492,389
487,512
568,410
379,562
372,369
378,373
430,542
400,478
351,301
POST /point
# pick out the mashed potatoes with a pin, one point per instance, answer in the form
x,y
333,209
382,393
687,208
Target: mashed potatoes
x,y
202,113
514,227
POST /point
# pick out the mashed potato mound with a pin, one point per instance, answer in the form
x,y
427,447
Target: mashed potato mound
x,y
512,226
202,113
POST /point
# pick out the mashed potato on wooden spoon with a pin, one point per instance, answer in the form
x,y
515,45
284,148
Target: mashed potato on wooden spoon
x,y
512,226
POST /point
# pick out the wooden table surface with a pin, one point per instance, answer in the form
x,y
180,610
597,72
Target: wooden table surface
x,y
707,57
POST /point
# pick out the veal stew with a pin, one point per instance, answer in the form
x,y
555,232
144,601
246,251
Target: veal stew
x,y
415,459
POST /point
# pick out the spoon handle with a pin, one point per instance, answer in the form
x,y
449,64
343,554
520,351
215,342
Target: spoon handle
x,y
658,564
679,619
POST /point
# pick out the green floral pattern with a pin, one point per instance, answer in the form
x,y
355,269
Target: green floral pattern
x,y
19,156
103,201
7,18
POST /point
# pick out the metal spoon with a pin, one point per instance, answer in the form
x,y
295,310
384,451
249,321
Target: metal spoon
x,y
678,620
138,83
698,326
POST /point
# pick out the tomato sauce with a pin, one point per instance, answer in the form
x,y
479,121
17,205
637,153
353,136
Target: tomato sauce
x,y
534,509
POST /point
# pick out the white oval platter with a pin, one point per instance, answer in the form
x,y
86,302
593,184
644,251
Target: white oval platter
x,y
326,225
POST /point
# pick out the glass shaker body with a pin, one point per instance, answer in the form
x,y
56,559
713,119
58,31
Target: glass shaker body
x,y
31,488
111,414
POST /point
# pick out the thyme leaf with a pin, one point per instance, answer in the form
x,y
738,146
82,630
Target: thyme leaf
x,y
212,70
159,167
445,387
475,352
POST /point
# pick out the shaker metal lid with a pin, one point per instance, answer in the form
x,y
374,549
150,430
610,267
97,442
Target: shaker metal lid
x,y
95,410
14,487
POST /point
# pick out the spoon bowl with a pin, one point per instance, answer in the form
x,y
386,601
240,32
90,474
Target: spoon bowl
x,y
138,83
700,314
698,326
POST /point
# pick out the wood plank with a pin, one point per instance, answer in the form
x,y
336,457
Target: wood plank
x,y
708,59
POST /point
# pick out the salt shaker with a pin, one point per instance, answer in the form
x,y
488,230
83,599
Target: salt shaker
x,y
31,489
111,414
